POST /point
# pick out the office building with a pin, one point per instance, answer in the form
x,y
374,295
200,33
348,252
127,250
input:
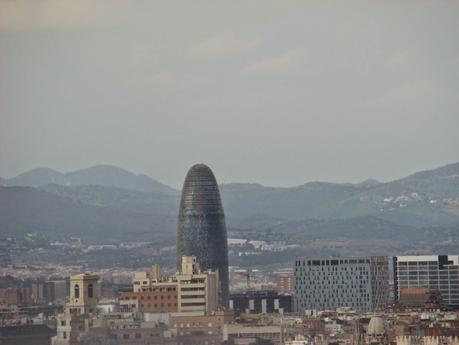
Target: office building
x,y
434,272
360,283
189,292
201,229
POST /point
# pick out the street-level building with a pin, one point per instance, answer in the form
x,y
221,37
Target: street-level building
x,y
201,329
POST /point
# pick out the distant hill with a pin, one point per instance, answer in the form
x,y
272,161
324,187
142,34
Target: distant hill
x,y
26,210
422,199
367,227
101,175
84,203
118,198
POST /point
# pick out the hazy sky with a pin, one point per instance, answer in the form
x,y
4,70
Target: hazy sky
x,y
276,92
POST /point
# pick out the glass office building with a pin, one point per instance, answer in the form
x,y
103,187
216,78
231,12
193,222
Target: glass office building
x,y
201,229
435,272
360,283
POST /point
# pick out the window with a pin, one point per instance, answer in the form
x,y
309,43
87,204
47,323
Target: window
x,y
138,336
64,335
125,336
90,291
63,323
76,291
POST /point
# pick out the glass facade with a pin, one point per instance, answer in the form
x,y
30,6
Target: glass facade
x,y
201,228
435,272
328,283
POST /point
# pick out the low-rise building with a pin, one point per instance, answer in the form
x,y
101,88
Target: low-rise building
x,y
272,333
201,329
260,302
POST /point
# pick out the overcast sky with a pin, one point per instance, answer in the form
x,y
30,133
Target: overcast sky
x,y
275,92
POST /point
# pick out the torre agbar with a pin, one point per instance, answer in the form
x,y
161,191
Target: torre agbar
x,y
201,229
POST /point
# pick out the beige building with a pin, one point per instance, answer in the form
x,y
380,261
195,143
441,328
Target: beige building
x,y
265,332
84,293
197,292
143,281
84,297
204,329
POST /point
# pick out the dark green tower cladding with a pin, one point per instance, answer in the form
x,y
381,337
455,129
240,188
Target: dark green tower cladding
x,y
201,228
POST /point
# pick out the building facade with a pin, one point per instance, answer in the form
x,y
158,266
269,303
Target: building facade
x,y
360,283
189,292
434,272
201,228
260,302
156,301
285,283
84,297
197,291
205,329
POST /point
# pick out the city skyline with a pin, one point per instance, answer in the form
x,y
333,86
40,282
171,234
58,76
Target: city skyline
x,y
264,172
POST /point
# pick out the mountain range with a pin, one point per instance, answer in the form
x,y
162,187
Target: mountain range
x,y
106,203
101,175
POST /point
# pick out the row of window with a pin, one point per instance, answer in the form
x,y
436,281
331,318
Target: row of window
x,y
157,305
333,262
127,298
135,335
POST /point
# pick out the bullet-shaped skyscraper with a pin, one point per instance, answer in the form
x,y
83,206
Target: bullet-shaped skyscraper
x,y
201,228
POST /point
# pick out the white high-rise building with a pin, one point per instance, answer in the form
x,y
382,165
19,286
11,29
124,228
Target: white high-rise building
x,y
435,272
360,283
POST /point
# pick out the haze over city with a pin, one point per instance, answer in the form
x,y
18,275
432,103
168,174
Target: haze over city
x,y
258,172
274,92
